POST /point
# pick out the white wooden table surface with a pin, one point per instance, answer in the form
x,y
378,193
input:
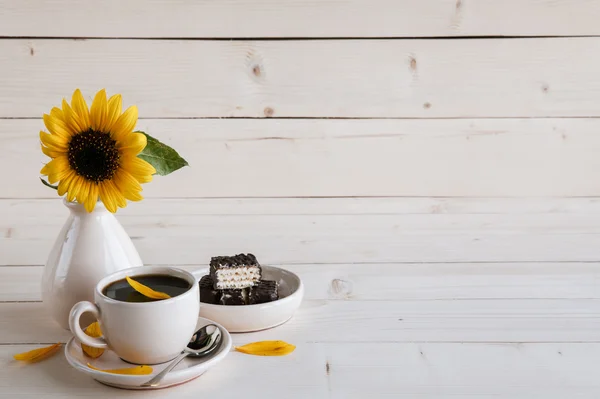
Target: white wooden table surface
x,y
492,298
428,167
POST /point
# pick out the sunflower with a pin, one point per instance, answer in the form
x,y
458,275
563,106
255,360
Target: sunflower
x,y
94,152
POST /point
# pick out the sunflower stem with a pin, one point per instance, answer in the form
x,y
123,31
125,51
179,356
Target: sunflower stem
x,y
48,184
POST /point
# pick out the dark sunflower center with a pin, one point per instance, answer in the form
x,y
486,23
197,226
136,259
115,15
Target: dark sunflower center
x,y
94,155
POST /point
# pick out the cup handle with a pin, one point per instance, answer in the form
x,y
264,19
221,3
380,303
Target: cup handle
x,y
198,274
79,309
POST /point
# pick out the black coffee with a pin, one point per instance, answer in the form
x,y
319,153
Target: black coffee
x,y
122,291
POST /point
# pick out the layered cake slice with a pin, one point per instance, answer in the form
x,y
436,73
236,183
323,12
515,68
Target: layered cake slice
x,y
234,272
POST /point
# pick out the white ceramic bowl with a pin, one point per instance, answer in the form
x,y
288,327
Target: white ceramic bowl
x,y
246,318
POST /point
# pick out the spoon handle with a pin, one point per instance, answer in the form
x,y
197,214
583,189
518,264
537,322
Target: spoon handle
x,y
158,377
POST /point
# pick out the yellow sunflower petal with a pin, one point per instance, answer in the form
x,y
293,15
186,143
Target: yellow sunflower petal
x,y
139,169
83,192
267,348
98,111
55,123
53,142
74,188
145,290
38,354
58,176
90,202
51,153
126,183
93,330
57,165
142,178
130,192
106,198
71,118
125,123
133,143
137,165
115,104
81,109
134,370
58,118
115,194
56,126
117,197
133,196
65,183
58,114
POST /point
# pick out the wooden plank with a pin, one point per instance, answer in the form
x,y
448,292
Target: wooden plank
x,y
462,370
17,209
352,371
316,78
21,283
170,232
494,320
294,18
389,282
275,158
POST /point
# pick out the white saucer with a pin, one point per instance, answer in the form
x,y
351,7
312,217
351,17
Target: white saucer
x,y
186,371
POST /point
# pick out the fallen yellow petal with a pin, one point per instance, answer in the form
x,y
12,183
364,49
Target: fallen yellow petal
x,y
267,348
38,354
93,330
146,291
137,370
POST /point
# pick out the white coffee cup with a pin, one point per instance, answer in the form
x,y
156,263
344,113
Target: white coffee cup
x,y
141,332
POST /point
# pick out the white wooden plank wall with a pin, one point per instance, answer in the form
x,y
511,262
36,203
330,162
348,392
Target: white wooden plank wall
x,y
428,167
365,157
391,78
298,18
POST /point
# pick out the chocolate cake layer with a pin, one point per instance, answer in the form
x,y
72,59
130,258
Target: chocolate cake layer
x,y
234,297
207,292
264,291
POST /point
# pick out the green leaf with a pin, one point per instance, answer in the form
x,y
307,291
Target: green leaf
x,y
164,159
48,184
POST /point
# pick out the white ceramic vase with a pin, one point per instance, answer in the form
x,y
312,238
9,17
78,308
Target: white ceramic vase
x,y
89,247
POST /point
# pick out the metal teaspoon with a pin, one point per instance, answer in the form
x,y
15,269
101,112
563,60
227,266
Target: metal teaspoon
x,y
202,343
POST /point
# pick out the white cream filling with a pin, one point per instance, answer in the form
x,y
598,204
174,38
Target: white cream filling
x,y
239,277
